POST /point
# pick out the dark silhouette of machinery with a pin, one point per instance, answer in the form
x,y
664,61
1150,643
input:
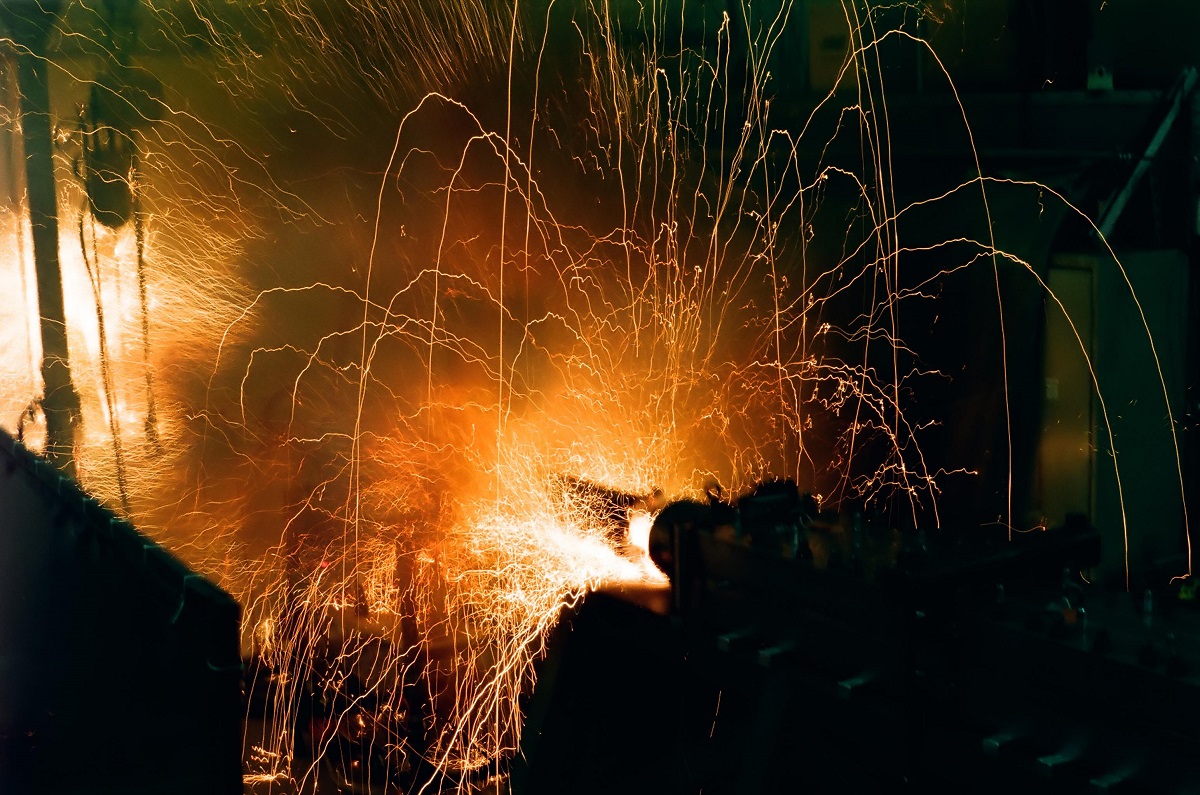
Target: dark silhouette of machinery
x,y
812,651
119,666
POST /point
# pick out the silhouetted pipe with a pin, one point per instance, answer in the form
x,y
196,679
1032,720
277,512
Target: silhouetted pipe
x,y
29,23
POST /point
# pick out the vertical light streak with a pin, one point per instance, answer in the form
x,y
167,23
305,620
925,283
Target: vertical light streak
x,y
139,231
107,383
501,410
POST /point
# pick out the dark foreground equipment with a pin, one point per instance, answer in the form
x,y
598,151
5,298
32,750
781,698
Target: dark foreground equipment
x,y
119,667
804,652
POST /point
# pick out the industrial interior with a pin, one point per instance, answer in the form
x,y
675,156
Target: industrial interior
x,y
599,396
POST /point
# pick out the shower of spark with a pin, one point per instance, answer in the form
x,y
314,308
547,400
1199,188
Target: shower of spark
x,y
582,247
